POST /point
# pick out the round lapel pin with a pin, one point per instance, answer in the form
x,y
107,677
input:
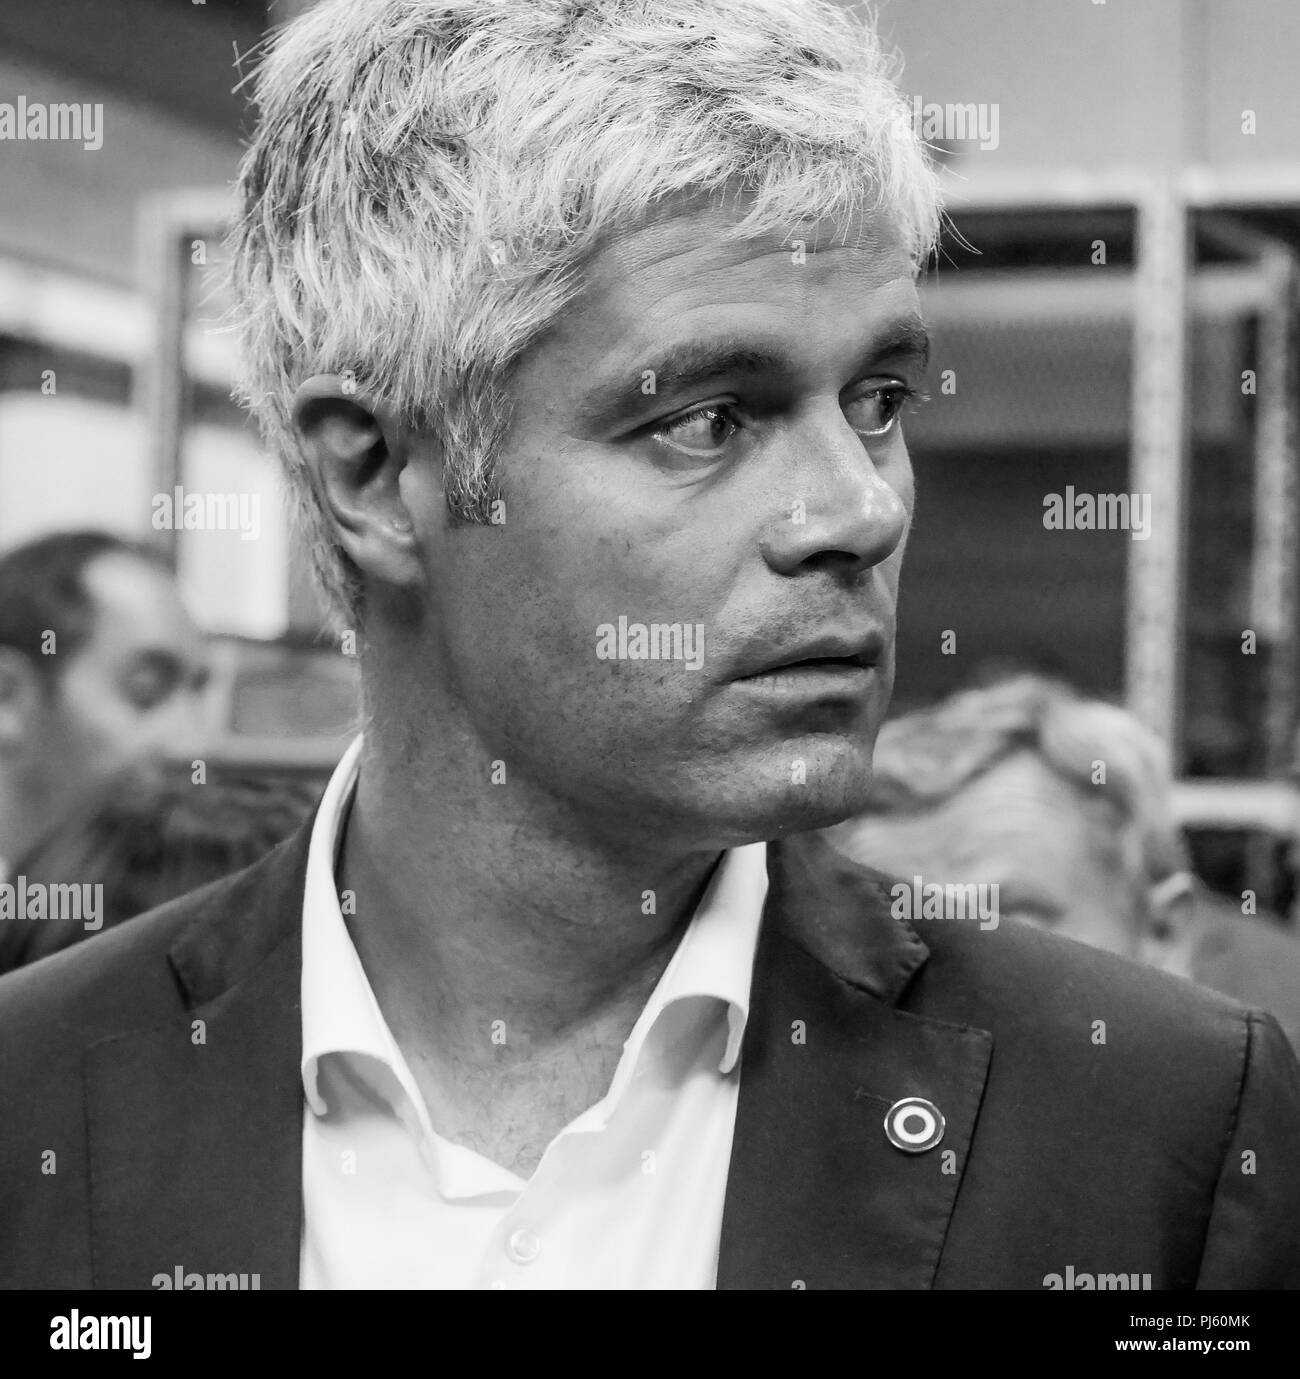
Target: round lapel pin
x,y
914,1125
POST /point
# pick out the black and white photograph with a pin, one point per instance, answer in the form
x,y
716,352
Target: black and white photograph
x,y
650,645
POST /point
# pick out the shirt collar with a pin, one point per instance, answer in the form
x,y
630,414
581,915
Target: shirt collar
x,y
716,954
339,1010
715,957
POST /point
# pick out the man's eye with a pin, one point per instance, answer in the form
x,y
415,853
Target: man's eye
x,y
146,689
701,432
875,413
706,430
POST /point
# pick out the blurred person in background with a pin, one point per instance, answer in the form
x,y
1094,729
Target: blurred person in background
x,y
1064,802
100,665
149,834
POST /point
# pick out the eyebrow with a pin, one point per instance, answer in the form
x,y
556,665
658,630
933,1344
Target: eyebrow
x,y
694,363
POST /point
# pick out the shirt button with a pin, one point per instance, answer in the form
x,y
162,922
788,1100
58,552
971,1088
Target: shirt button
x,y
523,1246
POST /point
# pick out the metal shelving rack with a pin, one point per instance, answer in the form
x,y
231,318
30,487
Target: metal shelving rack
x,y
1156,600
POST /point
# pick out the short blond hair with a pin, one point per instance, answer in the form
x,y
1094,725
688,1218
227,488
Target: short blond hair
x,y
429,176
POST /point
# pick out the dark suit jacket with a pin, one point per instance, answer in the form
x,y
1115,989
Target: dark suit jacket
x,y
1171,1149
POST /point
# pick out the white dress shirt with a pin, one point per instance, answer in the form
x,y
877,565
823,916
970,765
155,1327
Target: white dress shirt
x,y
628,1195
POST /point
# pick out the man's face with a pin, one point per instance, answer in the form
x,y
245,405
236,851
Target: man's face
x,y
709,438
131,690
1024,827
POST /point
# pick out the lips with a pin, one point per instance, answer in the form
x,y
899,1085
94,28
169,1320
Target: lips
x,y
829,651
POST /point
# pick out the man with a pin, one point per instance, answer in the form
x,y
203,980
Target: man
x,y
1063,802
100,666
587,328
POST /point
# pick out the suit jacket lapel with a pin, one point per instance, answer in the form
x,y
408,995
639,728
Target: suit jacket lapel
x,y
195,1127
817,1195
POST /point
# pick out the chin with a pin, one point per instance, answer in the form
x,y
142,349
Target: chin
x,y
764,802
808,812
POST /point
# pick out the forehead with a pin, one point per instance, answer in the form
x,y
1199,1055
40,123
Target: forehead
x,y
136,607
682,234
676,275
1020,817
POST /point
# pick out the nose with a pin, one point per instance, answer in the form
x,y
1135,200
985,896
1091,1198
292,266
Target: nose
x,y
843,511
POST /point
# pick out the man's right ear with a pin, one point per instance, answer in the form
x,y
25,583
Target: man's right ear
x,y
356,451
21,696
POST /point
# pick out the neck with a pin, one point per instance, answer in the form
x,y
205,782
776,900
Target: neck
x,y
477,904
